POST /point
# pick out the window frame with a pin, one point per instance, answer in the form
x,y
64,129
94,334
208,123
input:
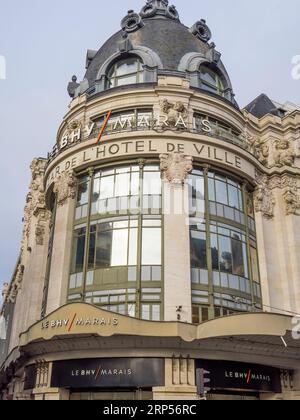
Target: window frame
x,y
112,77
219,87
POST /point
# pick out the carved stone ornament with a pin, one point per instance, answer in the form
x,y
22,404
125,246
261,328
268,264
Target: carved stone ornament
x,y
159,8
39,234
5,290
36,200
292,202
283,181
259,149
201,31
176,114
65,187
264,200
132,22
284,155
176,167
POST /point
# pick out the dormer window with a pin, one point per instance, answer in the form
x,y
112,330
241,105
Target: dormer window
x,y
125,72
211,81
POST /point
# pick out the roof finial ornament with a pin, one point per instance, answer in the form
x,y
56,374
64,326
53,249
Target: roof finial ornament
x,y
159,8
132,22
201,31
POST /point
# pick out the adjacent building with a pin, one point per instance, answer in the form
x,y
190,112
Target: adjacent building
x,y
161,234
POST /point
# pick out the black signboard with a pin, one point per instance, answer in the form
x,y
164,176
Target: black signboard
x,y
108,373
239,376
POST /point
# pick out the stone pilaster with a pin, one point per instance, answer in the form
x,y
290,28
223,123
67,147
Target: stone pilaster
x,y
177,278
62,243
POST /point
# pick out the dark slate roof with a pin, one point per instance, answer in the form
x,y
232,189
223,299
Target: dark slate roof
x,y
170,39
262,106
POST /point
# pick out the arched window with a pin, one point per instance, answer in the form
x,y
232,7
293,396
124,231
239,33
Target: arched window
x,y
125,72
211,81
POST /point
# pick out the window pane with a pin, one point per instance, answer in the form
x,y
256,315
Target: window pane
x,y
83,193
135,183
198,250
146,312
103,249
211,189
129,80
221,192
208,75
133,246
209,88
225,254
122,185
152,183
237,258
151,247
155,313
214,252
79,252
92,250
233,197
107,187
127,67
119,248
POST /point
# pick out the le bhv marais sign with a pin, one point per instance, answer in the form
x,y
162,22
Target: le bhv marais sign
x,y
76,132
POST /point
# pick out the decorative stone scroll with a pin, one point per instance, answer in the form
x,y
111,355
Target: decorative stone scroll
x,y
176,167
65,187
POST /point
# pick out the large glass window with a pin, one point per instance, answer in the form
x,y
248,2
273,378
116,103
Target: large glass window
x,y
125,72
117,248
118,191
226,198
224,263
211,81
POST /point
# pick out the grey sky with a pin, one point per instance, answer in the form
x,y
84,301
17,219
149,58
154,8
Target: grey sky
x,y
45,43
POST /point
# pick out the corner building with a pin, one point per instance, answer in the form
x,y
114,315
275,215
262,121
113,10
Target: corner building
x,y
160,233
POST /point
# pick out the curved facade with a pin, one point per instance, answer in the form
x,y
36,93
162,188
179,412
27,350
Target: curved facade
x,y
160,232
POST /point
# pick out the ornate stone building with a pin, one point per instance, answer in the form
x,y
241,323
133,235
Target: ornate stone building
x,y
161,233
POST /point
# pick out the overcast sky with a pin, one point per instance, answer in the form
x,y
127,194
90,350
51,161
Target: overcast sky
x,y
45,42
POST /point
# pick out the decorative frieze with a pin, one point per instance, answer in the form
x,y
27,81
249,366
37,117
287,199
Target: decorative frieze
x,y
65,187
283,181
176,167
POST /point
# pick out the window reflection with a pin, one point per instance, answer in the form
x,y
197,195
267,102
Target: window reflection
x,y
228,241
151,246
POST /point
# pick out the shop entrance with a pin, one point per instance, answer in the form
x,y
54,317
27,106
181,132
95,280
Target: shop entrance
x,y
112,395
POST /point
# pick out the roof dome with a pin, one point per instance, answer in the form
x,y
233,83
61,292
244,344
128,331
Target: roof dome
x,y
162,42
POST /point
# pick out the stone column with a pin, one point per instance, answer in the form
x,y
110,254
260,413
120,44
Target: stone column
x,y
65,189
180,381
177,277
